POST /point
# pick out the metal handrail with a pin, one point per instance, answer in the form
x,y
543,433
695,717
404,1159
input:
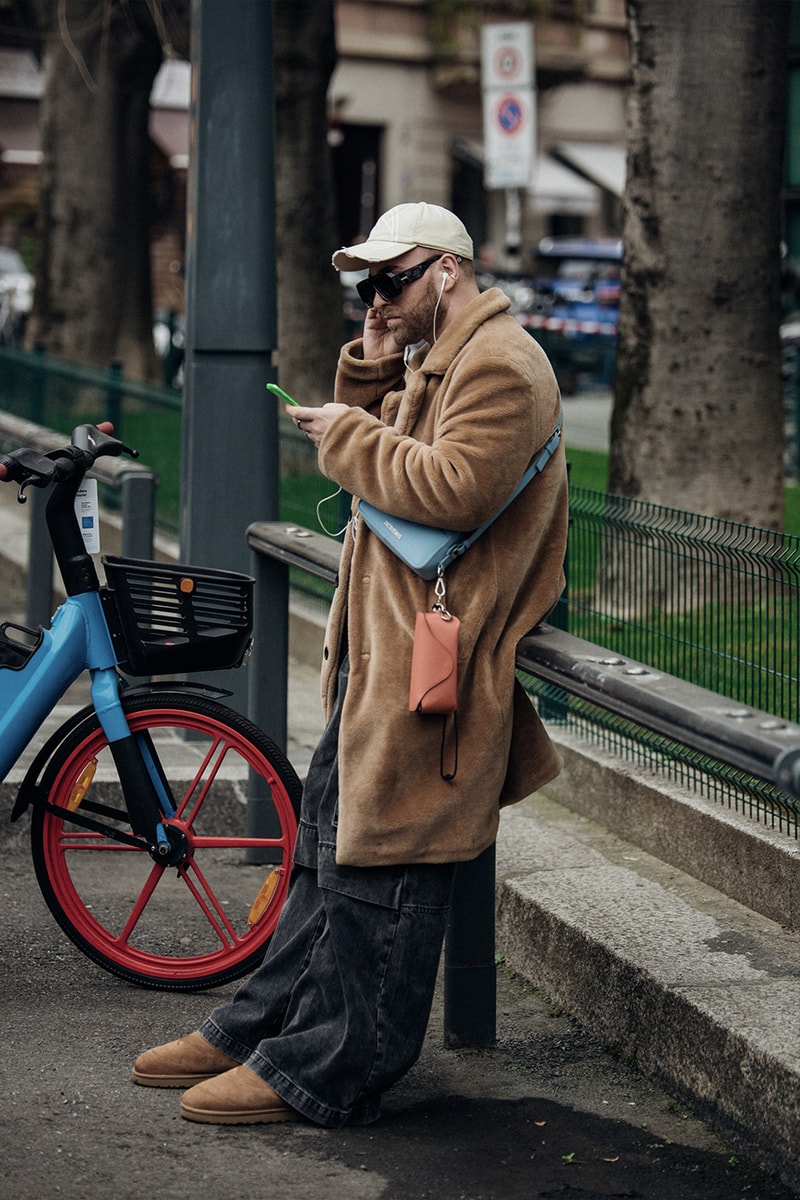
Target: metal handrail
x,y
757,742
754,741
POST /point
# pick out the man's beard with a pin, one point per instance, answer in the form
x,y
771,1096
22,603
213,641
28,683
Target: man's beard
x,y
416,325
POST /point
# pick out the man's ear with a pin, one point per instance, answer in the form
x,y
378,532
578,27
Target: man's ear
x,y
450,266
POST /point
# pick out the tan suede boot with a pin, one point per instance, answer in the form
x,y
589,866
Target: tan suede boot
x,y
238,1097
180,1064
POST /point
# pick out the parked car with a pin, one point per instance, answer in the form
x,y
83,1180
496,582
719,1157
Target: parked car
x,y
570,304
16,297
578,279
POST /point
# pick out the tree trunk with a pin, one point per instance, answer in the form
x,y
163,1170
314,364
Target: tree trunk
x,y
93,297
698,415
310,320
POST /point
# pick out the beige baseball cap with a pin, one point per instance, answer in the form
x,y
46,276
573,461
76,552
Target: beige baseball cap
x,y
402,228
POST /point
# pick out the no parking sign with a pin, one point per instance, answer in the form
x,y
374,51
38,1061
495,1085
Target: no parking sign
x,y
509,112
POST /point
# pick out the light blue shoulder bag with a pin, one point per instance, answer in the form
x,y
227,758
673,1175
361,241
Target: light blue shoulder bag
x,y
430,551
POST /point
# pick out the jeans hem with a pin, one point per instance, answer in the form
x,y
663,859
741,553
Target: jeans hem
x,y
320,1114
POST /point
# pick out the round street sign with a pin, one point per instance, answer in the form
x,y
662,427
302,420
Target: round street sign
x,y
510,115
507,63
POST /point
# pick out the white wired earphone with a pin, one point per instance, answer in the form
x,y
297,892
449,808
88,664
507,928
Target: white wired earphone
x,y
445,276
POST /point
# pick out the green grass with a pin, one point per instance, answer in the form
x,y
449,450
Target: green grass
x,y
791,511
588,469
156,434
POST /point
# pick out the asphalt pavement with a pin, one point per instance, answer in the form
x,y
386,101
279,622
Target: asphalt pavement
x,y
546,1112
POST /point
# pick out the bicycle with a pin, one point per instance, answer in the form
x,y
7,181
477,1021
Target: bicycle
x,y
156,878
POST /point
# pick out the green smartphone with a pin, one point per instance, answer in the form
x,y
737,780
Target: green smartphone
x,y
281,394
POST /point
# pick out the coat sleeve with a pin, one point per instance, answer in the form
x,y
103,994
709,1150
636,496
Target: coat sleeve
x,y
363,383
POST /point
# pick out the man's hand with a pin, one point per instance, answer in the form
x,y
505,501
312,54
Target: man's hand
x,y
314,421
378,339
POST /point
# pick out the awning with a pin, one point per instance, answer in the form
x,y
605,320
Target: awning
x,y
554,188
21,86
19,132
599,162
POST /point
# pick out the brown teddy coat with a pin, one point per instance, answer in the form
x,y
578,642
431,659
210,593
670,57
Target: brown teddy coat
x,y
443,442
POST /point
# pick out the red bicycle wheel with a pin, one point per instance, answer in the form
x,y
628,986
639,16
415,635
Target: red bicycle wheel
x,y
207,919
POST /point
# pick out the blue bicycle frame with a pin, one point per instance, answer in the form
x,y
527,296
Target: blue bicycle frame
x,y
77,639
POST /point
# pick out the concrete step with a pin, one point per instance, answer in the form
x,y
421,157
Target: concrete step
x,y
701,992
756,862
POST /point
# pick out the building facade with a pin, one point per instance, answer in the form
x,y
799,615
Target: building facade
x,y
405,123
406,117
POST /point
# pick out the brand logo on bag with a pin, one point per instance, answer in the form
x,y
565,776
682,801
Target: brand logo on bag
x,y
392,530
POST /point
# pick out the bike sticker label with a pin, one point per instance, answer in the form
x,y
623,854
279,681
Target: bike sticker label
x,y
87,512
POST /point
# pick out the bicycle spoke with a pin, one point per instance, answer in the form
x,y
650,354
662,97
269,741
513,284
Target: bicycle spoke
x,y
200,785
142,900
227,842
206,908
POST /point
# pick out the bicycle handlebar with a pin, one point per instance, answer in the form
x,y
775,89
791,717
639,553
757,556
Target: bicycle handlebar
x,y
30,468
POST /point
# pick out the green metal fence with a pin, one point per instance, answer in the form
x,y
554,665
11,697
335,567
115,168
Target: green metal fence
x,y
714,602
710,601
60,395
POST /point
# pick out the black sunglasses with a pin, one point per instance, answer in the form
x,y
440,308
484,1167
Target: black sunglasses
x,y
389,284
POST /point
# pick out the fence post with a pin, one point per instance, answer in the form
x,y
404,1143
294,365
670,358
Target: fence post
x,y
268,681
470,971
38,389
268,668
138,490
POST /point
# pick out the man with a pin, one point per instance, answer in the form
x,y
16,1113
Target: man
x,y
438,410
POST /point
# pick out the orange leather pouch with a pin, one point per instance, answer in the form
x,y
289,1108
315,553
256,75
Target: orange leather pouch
x,y
434,663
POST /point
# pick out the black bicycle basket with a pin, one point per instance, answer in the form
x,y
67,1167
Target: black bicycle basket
x,y
176,619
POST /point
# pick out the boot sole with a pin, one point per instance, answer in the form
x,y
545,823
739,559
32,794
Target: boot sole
x,y
171,1081
263,1117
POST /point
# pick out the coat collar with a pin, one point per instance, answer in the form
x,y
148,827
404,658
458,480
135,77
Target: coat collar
x,y
434,360
455,337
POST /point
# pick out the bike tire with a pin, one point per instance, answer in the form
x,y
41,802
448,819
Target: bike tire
x,y
183,927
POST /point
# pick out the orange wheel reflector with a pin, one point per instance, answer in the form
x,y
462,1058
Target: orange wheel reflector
x,y
82,784
265,894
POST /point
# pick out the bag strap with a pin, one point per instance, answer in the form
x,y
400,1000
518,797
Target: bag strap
x,y
540,461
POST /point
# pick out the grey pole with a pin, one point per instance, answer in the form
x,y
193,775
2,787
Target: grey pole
x,y
229,472
138,490
39,586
